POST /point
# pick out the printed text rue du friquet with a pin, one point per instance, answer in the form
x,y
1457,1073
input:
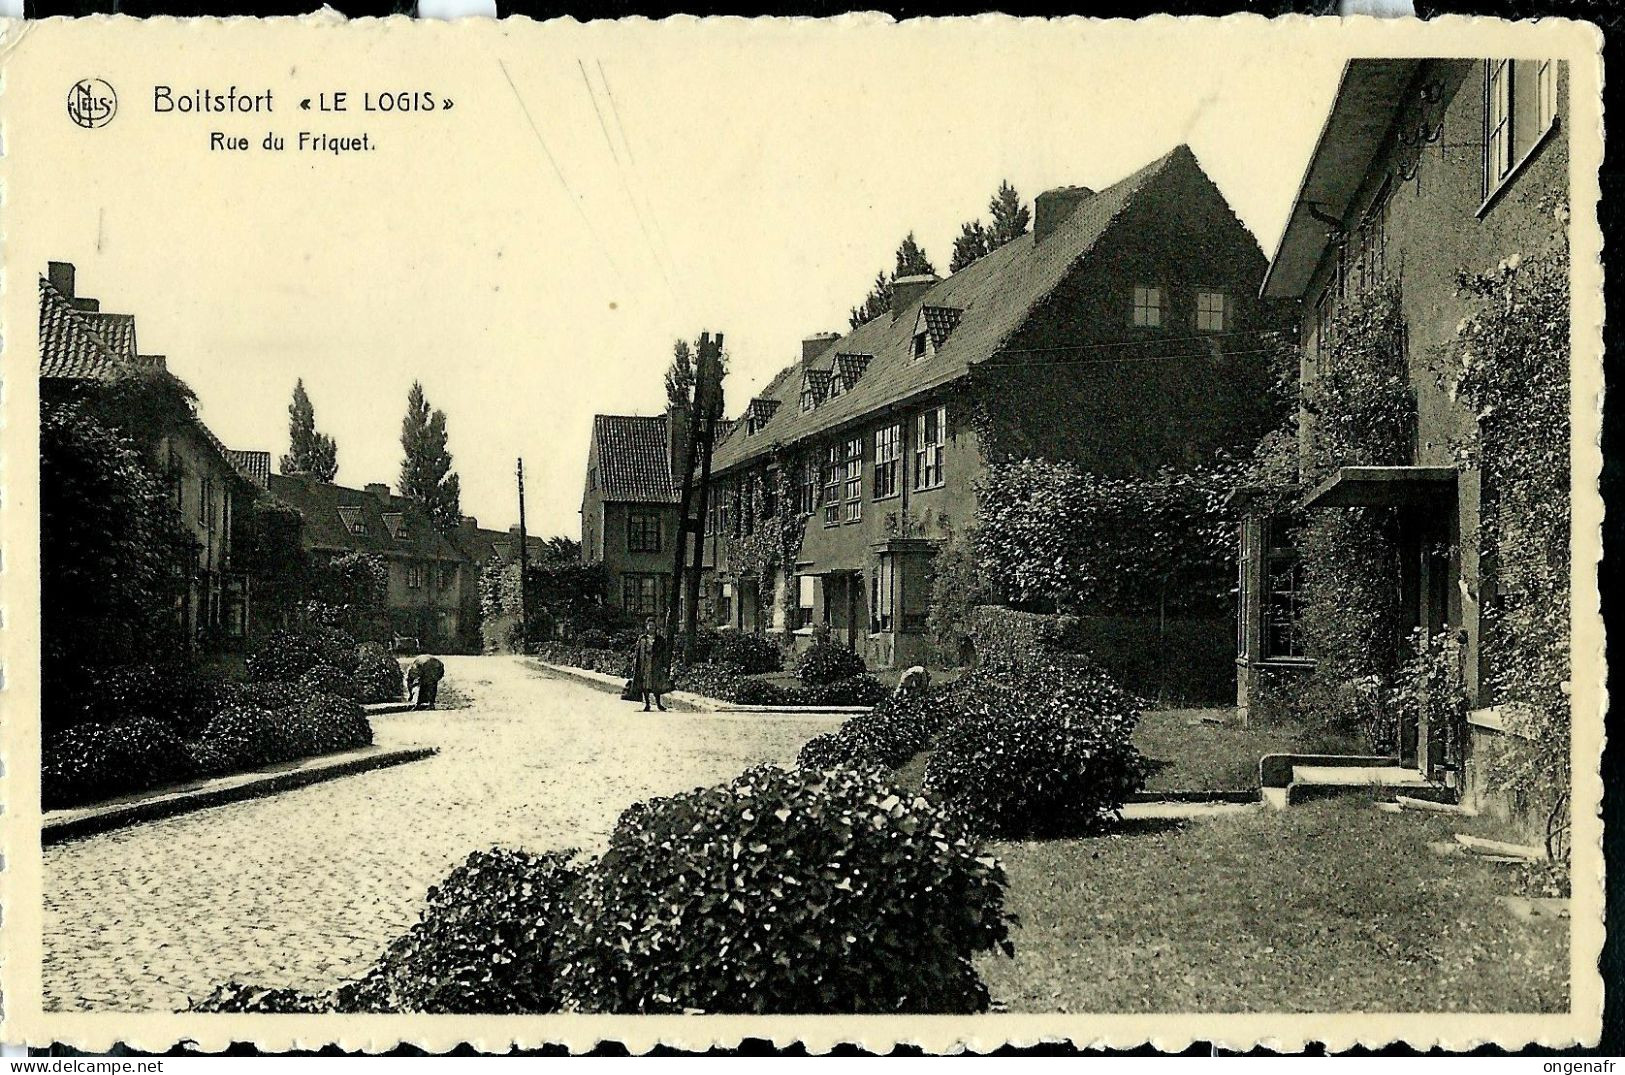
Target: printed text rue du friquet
x,y
169,100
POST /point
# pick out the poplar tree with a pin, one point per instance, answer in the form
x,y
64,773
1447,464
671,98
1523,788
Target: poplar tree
x,y
426,474
309,453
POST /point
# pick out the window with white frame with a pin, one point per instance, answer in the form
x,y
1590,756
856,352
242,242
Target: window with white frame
x,y
1210,311
1520,106
414,576
888,460
930,437
806,600
1498,119
1148,306
854,479
643,531
834,474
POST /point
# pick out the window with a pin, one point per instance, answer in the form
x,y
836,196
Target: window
x,y
1520,106
747,505
836,385
644,595
414,576
1283,594
725,603
919,345
1148,307
854,479
834,474
204,490
770,495
1210,310
808,400
888,459
1372,261
806,486
806,593
930,434
592,479
883,595
643,531
1323,330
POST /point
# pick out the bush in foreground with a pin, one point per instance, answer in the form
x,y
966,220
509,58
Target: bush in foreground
x,y
176,693
378,677
827,663
484,943
785,892
1041,750
242,737
326,679
90,762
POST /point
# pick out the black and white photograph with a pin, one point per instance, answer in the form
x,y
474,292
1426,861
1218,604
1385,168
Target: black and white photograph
x,y
549,532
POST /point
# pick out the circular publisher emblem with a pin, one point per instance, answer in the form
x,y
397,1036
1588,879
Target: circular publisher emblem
x,y
92,103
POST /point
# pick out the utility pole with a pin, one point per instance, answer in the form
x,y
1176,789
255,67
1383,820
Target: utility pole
x,y
685,525
524,560
708,401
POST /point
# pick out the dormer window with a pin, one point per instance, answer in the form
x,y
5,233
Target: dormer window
x,y
807,401
835,388
1149,304
932,328
354,520
919,345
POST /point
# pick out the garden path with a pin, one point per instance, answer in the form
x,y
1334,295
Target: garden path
x,y
305,887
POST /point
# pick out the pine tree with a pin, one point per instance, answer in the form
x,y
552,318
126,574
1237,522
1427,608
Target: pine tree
x,y
911,261
680,375
971,244
309,452
426,474
1010,217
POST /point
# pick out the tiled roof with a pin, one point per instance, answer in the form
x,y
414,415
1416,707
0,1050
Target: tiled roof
x,y
997,293
939,321
760,410
256,466
851,367
69,345
818,382
118,330
634,458
482,546
331,512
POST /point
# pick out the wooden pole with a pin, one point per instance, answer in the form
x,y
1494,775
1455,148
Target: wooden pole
x,y
524,560
708,401
685,525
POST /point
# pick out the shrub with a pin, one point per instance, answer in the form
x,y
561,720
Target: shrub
x,y
176,693
484,944
1006,636
258,1000
290,654
861,689
271,694
786,892
325,723
751,654
896,729
614,662
826,662
711,680
242,737
592,638
1038,751
378,678
761,692
326,679
91,762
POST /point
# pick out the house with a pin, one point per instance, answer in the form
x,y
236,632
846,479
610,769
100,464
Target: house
x,y
426,591
630,505
1122,333
481,548
1424,169
83,347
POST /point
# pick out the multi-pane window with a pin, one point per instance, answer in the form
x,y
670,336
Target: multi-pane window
x,y
854,479
1498,119
930,435
1148,307
806,591
808,400
725,516
770,495
1545,92
806,486
1283,595
836,387
1520,106
205,490
643,531
919,345
888,460
1373,242
725,603
644,595
1210,307
834,474
883,595
414,576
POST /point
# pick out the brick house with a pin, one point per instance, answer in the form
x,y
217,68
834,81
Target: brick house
x,y
630,506
1424,169
81,346
1120,334
481,548
426,571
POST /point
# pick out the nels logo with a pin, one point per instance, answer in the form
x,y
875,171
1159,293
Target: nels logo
x,y
92,103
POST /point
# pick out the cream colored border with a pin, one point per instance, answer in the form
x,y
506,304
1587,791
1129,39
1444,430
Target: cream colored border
x,y
45,46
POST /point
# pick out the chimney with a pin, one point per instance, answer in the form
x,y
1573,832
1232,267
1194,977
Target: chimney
x,y
156,362
678,416
817,344
468,523
60,274
379,490
907,290
1054,206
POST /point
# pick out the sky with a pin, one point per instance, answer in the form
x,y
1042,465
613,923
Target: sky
x,y
595,193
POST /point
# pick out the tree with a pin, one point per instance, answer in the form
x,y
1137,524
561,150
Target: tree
x,y
911,261
680,375
875,303
971,244
309,452
426,474
1010,217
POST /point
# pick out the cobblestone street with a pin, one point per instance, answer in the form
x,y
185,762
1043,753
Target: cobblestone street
x,y
305,887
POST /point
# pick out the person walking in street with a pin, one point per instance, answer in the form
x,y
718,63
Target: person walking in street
x,y
650,662
423,681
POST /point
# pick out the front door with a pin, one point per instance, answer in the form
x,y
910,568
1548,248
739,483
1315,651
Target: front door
x,y
1427,579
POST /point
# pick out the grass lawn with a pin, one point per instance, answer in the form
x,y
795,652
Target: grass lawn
x,y
1188,754
1326,907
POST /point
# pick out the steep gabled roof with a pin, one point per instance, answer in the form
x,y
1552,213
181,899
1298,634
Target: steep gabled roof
x,y
255,466
996,293
634,458
331,512
70,347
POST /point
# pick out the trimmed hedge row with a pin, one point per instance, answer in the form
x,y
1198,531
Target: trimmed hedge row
x,y
897,728
242,737
778,892
94,761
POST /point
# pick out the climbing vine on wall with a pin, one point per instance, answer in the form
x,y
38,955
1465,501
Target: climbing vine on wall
x,y
1510,365
771,542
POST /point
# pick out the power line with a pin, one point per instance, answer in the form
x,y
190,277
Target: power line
x,y
620,172
620,128
559,172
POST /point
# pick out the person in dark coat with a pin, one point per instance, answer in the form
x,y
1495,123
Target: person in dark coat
x,y
650,663
423,681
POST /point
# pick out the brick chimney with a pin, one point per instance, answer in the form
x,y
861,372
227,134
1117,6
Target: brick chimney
x,y
468,524
907,290
60,274
817,344
379,490
1054,206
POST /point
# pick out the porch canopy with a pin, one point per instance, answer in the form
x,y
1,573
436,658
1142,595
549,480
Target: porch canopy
x,y
1384,487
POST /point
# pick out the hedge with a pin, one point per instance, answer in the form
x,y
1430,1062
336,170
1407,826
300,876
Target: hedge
x,y
243,737
897,728
378,677
827,663
94,761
